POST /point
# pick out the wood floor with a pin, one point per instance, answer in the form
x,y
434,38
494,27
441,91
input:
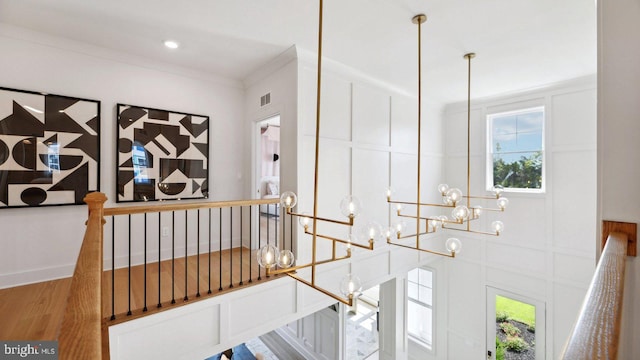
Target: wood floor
x,y
34,312
239,268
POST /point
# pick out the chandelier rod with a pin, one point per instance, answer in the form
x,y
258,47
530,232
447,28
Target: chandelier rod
x,y
315,175
469,56
419,19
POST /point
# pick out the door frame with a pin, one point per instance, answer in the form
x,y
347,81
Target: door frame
x,y
256,166
492,292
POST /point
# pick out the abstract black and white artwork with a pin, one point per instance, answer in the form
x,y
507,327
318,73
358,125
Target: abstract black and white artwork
x,y
49,148
162,155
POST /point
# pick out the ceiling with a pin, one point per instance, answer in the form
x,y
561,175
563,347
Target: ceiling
x,y
520,43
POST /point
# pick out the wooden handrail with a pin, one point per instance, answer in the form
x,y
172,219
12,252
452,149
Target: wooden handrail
x,y
80,333
141,209
596,333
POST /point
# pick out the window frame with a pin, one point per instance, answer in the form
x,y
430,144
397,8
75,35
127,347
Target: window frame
x,y
414,338
489,148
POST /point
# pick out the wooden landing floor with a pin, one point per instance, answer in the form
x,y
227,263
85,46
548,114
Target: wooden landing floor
x,y
174,285
34,312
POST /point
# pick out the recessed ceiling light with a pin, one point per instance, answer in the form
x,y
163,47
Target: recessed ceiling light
x,y
171,44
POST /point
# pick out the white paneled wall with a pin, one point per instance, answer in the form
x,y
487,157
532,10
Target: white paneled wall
x,y
546,251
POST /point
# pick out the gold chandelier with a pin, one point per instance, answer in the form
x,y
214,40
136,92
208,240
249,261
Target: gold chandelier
x,y
463,212
277,261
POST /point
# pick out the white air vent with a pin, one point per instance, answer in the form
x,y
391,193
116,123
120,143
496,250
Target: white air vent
x,y
265,99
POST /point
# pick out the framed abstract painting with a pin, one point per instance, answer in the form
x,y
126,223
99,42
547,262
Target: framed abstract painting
x,y
49,148
161,155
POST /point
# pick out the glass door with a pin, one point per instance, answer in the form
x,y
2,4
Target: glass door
x,y
515,326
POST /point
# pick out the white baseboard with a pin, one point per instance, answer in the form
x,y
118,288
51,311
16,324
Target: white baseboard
x,y
36,276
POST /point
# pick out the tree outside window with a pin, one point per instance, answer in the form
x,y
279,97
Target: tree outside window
x,y
516,153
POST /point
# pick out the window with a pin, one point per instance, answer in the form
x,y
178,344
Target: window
x,y
420,307
516,150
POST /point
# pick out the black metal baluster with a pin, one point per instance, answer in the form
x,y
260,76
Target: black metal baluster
x,y
129,268
230,247
198,259
275,224
284,228
209,272
260,238
173,257
113,268
241,250
250,243
186,259
159,256
220,252
145,263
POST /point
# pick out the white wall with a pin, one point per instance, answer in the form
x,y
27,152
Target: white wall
x,y
546,250
42,243
618,145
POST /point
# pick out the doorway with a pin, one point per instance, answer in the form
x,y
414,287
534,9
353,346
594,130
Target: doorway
x,y
362,326
267,178
515,326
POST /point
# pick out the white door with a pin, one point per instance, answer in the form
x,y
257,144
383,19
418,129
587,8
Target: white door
x,y
515,325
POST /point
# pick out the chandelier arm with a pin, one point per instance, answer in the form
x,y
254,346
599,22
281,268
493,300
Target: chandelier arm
x,y
430,218
370,247
493,209
298,267
421,204
482,197
473,231
348,301
348,223
451,255
414,235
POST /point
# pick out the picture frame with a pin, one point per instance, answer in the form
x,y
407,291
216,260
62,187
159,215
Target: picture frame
x,y
49,148
161,155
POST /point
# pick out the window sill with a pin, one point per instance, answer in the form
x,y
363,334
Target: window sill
x,y
421,344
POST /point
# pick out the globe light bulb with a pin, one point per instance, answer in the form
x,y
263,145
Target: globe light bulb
x,y
454,195
460,213
350,285
399,227
350,206
497,226
442,188
443,220
267,256
389,193
434,223
502,203
388,233
453,245
369,231
476,212
288,199
286,259
304,221
497,190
